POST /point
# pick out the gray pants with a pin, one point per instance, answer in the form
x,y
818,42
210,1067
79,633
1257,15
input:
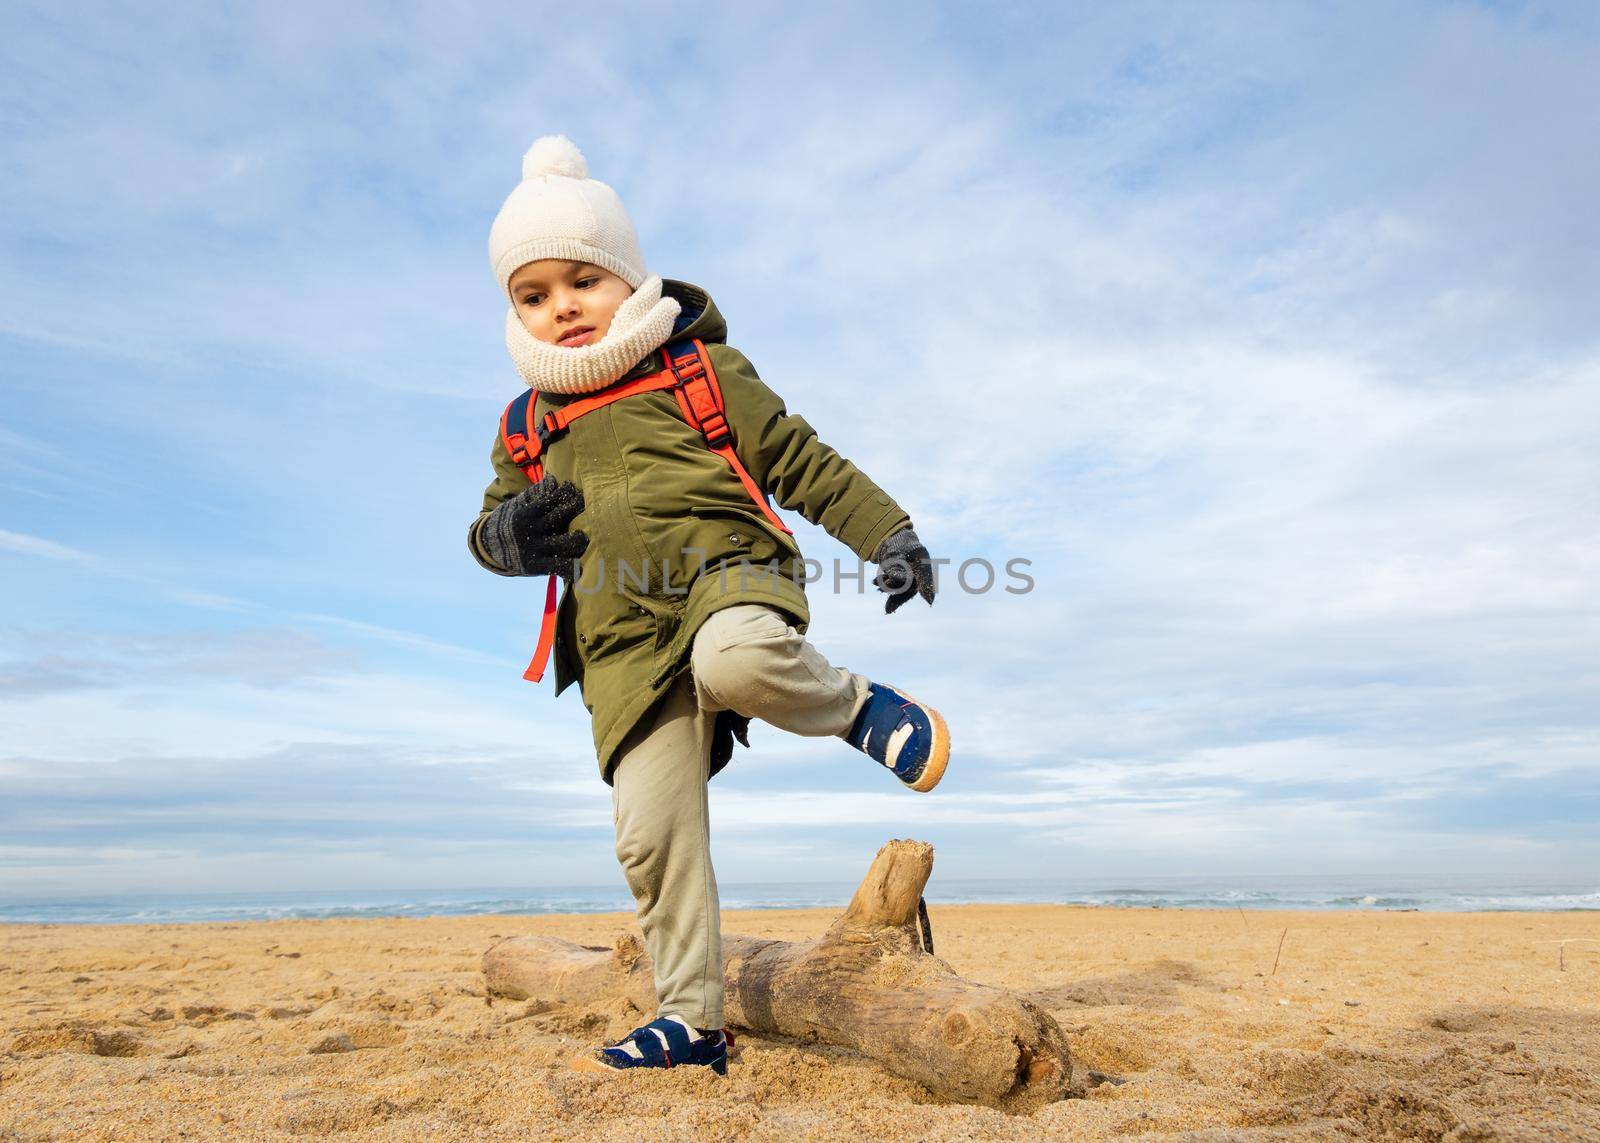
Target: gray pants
x,y
746,658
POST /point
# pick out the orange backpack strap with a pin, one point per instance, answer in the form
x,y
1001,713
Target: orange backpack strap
x,y
526,436
519,434
687,372
534,671
525,443
700,399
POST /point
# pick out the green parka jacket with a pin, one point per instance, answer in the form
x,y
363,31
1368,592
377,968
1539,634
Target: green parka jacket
x,y
673,535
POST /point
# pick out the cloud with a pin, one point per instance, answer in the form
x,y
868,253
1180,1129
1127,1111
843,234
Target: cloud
x,y
35,546
157,823
197,823
42,662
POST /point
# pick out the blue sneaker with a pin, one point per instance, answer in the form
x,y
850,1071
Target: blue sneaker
x,y
668,1042
908,737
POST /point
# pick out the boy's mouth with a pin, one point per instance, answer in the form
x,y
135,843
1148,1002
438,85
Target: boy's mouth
x,y
576,337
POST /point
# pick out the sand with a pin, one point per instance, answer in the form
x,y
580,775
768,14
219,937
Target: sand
x,y
1375,1025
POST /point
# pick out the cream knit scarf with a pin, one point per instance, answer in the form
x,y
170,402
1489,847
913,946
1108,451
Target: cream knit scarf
x,y
640,326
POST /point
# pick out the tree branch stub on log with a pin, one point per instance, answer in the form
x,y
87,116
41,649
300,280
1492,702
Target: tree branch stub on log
x,y
864,984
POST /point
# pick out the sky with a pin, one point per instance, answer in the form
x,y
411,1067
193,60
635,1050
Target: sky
x,y
1266,332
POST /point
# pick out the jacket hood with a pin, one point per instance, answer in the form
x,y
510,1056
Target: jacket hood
x,y
700,317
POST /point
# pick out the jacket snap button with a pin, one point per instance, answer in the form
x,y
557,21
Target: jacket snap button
x,y
735,538
583,638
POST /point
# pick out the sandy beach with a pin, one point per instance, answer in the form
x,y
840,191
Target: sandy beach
x,y
1375,1025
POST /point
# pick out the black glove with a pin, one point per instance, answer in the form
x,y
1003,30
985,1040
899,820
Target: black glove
x,y
527,535
905,569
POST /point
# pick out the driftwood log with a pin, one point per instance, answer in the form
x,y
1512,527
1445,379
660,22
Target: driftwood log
x,y
866,984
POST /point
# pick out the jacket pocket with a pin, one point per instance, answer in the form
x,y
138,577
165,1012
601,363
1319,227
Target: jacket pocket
x,y
745,623
780,542
663,616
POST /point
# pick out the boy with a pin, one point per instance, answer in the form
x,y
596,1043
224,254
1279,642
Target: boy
x,y
674,662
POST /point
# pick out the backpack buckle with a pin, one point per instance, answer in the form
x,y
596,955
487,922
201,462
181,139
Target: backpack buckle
x,y
545,429
715,428
688,367
517,446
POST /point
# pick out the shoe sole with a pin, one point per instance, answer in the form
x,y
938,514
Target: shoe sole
x,y
595,1067
938,753
590,1064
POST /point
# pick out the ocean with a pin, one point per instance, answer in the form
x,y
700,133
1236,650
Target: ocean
x,y
1285,893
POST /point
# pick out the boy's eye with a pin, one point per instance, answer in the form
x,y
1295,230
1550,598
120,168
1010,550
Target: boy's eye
x,y
533,299
586,283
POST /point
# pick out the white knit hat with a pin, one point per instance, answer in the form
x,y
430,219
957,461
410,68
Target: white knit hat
x,y
557,211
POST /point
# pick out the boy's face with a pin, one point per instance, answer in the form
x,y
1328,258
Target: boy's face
x,y
566,303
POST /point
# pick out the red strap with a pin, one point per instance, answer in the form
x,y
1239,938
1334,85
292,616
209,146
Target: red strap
x,y
547,635
524,446
700,401
522,443
559,419
750,486
694,384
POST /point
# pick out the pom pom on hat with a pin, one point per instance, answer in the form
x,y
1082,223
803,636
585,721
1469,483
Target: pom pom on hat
x,y
554,155
558,211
